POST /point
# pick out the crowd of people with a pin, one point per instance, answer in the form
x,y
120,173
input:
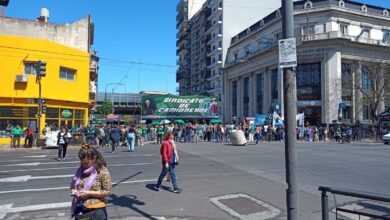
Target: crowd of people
x,y
131,135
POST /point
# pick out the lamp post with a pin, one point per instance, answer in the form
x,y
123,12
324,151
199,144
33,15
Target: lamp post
x,y
105,90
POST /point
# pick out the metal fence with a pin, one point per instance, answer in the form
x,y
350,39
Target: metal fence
x,y
325,203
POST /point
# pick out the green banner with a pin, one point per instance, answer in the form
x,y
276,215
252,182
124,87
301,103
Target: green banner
x,y
172,106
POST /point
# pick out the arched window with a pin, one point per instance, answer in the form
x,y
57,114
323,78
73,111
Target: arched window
x,y
364,8
341,4
278,14
308,4
385,12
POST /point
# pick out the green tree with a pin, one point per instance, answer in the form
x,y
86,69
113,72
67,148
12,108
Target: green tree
x,y
106,108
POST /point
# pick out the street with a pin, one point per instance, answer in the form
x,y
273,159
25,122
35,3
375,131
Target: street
x,y
219,181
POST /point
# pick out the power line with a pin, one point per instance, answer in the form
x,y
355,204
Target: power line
x,y
81,56
138,63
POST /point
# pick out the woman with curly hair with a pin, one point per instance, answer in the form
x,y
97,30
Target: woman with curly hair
x,y
90,185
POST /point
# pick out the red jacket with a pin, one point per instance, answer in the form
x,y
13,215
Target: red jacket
x,y
166,151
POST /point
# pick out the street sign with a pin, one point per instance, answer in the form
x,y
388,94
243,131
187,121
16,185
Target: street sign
x,y
287,53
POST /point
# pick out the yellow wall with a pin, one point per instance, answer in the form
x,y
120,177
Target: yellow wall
x,y
14,51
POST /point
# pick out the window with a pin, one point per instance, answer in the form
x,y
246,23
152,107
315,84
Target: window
x,y
308,30
344,29
235,55
309,81
366,112
247,49
245,97
260,93
234,98
29,68
67,74
274,85
220,57
346,81
366,79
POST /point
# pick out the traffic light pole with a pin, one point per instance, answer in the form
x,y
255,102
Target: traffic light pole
x,y
39,108
290,106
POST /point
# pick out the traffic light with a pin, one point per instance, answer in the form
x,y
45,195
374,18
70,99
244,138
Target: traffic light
x,y
4,2
43,108
41,69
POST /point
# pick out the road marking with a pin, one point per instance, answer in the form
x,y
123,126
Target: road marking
x,y
269,213
7,208
36,156
26,178
67,187
64,168
23,164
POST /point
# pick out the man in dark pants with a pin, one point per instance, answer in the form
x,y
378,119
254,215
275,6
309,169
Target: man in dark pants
x,y
29,137
16,134
115,136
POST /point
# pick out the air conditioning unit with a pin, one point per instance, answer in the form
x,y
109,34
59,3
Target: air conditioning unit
x,y
21,78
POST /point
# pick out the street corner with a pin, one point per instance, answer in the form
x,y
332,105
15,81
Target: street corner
x,y
245,207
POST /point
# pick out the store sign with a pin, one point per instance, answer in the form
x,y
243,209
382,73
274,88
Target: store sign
x,y
287,53
66,113
112,117
172,106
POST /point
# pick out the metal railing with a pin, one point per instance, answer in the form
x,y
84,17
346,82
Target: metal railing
x,y
325,202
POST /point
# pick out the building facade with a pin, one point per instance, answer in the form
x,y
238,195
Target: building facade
x,y
337,43
203,40
69,87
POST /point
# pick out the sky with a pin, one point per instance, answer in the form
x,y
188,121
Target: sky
x,y
135,39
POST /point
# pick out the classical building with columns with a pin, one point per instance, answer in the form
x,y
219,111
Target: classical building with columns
x,y
337,41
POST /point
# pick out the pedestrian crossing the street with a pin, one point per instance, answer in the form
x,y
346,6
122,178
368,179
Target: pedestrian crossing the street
x,y
32,181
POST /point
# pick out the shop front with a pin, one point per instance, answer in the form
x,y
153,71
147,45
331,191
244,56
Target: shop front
x,y
26,117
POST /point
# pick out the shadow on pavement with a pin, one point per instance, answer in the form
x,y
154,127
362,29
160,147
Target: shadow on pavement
x,y
125,179
130,201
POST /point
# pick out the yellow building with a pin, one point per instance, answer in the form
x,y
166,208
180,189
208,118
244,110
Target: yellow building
x,y
69,86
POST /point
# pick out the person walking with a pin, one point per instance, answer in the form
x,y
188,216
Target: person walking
x,y
63,139
167,152
16,133
29,137
90,185
115,136
130,135
160,134
139,135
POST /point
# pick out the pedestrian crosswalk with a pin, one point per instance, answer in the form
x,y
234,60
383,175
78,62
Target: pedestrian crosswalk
x,y
44,182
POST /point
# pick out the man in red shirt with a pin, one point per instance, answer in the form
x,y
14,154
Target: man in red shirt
x,y
29,137
168,162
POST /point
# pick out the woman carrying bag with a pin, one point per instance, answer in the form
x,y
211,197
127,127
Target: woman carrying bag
x,y
63,139
90,186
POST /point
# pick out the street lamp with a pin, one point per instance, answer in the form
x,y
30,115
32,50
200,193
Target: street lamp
x,y
105,90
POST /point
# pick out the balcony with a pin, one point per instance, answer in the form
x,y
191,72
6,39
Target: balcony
x,y
252,54
339,35
92,96
93,72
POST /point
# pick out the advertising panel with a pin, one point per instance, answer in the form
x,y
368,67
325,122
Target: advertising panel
x,y
172,106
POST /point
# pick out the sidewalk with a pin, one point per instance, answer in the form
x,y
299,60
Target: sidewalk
x,y
7,148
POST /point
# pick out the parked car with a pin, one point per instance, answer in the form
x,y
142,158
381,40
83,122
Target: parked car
x,y
51,139
386,138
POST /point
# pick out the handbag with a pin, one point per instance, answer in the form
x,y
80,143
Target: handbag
x,y
94,211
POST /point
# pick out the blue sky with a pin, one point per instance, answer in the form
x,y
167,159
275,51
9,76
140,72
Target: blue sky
x,y
142,31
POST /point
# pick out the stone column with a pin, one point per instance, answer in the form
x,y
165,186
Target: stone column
x,y
239,97
358,105
227,101
252,94
381,106
333,67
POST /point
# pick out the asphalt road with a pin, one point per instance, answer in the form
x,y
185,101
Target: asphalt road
x,y
219,181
